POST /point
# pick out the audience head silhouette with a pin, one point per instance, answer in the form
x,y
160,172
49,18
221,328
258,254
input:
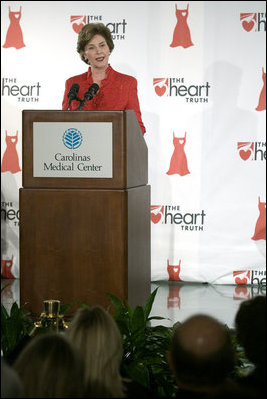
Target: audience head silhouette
x,y
250,324
95,333
201,354
50,367
11,385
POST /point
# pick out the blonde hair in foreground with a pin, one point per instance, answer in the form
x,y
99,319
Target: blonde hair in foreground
x,y
49,366
95,333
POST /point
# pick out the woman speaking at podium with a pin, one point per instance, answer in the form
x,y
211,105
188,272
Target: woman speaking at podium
x,y
101,87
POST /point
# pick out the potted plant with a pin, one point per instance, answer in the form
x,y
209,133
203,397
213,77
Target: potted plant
x,y
15,327
145,347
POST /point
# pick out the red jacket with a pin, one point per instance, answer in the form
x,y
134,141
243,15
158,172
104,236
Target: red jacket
x,y
117,92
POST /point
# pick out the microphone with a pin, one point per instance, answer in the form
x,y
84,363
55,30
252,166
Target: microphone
x,y
93,89
72,94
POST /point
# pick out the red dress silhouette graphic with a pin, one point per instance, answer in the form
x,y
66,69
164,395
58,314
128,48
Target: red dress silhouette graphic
x,y
10,161
260,228
174,271
6,266
178,164
181,34
262,99
14,37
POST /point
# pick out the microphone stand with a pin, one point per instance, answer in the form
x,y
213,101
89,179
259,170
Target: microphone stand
x,y
80,108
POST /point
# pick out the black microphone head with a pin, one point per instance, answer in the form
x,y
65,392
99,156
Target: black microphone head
x,y
94,88
72,94
91,92
73,91
75,86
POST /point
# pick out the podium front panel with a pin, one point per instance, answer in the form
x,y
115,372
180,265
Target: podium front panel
x,y
77,245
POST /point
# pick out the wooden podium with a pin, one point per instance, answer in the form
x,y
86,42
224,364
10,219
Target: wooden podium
x,y
83,237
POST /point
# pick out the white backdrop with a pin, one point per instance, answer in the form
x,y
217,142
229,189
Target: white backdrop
x,y
203,104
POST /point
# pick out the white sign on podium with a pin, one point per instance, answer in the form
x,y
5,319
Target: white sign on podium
x,y
76,149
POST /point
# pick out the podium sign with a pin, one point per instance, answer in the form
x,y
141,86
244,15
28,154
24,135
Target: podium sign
x,y
81,149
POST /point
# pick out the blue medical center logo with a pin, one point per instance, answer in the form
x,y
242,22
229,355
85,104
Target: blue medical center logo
x,y
72,138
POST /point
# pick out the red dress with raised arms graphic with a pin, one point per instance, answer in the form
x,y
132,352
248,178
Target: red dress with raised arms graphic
x,y
117,92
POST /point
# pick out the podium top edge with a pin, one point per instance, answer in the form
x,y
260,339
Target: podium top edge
x,y
80,111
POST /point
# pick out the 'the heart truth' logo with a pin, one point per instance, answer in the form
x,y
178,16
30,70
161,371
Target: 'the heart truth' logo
x,y
157,212
81,21
245,154
248,25
246,149
160,90
160,85
242,276
249,20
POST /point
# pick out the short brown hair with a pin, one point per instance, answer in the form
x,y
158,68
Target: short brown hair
x,y
88,32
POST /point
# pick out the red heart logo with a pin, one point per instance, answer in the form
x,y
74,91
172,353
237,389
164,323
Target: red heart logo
x,y
160,90
248,25
155,218
77,27
241,281
244,154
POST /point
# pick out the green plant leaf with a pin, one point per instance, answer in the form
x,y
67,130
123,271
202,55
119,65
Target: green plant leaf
x,y
14,327
15,311
157,318
138,371
138,319
64,307
4,287
122,315
129,310
149,303
81,304
4,313
117,303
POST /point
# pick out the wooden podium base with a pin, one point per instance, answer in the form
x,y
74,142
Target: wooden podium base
x,y
76,245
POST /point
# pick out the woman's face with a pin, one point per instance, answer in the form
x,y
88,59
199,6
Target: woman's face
x,y
97,52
